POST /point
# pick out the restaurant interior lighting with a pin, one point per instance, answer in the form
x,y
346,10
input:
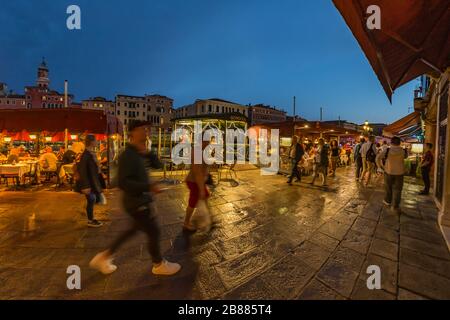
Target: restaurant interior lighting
x,y
33,137
73,136
48,139
7,139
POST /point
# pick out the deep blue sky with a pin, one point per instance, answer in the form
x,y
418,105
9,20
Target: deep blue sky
x,y
247,51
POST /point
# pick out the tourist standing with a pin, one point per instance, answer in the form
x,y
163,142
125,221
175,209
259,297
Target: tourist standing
x,y
334,156
89,183
321,162
357,158
296,153
137,201
392,162
368,155
425,166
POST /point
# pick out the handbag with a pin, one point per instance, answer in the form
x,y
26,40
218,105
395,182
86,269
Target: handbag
x,y
202,217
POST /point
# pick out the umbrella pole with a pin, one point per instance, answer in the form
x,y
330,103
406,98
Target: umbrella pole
x,y
66,138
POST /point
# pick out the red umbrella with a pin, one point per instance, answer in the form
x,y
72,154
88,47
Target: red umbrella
x,y
21,136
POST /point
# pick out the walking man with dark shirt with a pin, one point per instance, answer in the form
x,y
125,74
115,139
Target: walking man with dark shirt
x,y
137,197
425,166
295,156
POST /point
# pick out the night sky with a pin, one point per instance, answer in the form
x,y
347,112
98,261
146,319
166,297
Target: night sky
x,y
247,51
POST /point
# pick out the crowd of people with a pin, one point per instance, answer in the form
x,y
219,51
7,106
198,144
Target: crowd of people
x,y
138,189
370,159
48,163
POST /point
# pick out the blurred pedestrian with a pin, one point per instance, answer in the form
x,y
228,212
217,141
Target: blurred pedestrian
x,y
296,153
321,162
358,158
196,183
335,151
137,201
425,167
393,164
369,155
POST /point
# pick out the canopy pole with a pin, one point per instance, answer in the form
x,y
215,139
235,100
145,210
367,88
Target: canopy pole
x,y
66,138
159,143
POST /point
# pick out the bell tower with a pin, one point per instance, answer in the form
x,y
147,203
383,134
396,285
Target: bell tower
x,y
42,75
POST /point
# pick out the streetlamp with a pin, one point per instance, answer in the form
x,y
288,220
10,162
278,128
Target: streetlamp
x,y
367,128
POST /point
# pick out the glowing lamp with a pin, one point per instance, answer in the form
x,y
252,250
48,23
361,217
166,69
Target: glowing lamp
x,y
7,139
48,139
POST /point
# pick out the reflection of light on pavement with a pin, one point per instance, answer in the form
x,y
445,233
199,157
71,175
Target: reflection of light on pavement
x,y
30,223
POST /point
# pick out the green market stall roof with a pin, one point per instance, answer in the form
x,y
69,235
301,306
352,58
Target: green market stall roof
x,y
57,120
413,39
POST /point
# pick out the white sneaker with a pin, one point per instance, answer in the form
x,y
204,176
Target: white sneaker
x,y
166,268
103,263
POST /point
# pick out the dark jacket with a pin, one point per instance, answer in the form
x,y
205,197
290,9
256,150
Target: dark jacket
x,y
134,178
324,156
89,174
299,152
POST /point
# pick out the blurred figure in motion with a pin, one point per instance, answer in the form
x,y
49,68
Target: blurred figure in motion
x,y
137,201
196,183
357,157
295,156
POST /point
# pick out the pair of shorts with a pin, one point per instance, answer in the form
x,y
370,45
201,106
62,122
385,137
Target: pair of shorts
x,y
194,193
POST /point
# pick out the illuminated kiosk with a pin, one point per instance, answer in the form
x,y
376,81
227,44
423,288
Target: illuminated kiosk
x,y
222,122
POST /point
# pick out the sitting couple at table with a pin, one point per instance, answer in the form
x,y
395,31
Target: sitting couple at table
x,y
48,162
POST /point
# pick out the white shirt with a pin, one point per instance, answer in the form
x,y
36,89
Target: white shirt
x,y
395,162
50,159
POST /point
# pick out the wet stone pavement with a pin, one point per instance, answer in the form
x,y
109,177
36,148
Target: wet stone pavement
x,y
270,241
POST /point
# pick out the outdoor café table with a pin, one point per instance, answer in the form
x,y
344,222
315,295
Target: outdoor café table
x,y
15,170
168,165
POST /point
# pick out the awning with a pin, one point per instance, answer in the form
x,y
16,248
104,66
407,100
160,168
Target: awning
x,y
57,120
413,39
406,127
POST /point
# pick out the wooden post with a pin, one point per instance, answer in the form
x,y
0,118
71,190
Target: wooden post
x,y
66,138
159,142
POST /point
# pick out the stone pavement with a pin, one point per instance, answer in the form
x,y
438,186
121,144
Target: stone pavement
x,y
270,241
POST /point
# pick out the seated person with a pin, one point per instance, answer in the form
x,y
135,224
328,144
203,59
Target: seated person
x,y
60,153
23,153
13,157
49,162
69,157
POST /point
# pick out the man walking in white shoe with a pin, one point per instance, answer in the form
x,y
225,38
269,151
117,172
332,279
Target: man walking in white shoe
x,y
392,162
137,198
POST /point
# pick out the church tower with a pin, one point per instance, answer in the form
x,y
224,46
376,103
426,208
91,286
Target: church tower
x,y
42,75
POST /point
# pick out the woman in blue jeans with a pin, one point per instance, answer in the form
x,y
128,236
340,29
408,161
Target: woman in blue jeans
x,y
89,182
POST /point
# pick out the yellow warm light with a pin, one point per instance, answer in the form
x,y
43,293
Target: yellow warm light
x,y
73,136
33,137
48,139
7,139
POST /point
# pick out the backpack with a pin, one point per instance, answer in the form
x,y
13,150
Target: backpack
x,y
324,156
386,156
371,155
